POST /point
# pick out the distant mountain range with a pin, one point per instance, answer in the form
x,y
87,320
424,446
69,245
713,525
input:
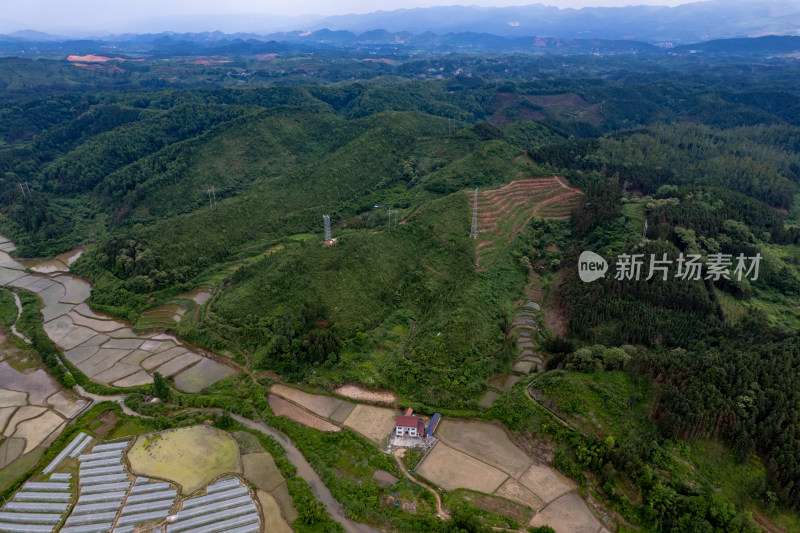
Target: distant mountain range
x,y
694,22
684,24
376,41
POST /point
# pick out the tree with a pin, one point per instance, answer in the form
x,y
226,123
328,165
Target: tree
x,y
225,421
160,388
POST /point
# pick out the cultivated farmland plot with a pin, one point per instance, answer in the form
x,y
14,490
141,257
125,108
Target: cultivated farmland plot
x,y
480,456
375,423
568,513
191,457
286,408
322,405
99,344
452,469
486,442
34,409
272,514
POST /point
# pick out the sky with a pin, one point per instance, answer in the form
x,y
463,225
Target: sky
x,y
70,16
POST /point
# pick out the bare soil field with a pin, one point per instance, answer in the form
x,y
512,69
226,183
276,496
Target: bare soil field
x,y
316,403
10,450
501,506
546,482
23,413
5,414
36,430
282,407
514,490
384,478
260,469
356,392
12,398
452,469
375,423
281,495
342,412
487,442
488,398
568,514
273,521
67,403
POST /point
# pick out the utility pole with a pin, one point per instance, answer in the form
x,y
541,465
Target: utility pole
x,y
473,234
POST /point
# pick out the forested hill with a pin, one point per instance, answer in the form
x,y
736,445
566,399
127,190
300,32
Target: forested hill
x,y
187,174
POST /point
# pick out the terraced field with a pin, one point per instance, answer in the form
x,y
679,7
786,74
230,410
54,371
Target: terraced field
x,y
107,350
503,212
480,456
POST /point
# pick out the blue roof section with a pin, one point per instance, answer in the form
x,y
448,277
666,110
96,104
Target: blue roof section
x,y
434,423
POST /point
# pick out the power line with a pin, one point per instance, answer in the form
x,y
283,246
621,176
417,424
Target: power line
x,y
473,234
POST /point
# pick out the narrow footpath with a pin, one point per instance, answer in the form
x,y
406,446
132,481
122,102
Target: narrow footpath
x,y
19,314
439,509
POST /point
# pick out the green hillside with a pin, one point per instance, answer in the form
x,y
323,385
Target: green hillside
x,y
623,385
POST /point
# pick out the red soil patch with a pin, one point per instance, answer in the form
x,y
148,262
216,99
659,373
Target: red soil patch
x,y
94,59
210,63
266,57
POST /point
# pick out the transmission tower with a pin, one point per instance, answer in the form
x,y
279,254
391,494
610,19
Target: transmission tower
x,y
474,231
327,220
212,198
392,216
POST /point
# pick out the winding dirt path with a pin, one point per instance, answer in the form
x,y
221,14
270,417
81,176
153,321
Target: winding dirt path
x,y
439,509
19,314
305,471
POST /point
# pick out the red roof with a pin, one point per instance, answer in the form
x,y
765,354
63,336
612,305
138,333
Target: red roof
x,y
407,421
